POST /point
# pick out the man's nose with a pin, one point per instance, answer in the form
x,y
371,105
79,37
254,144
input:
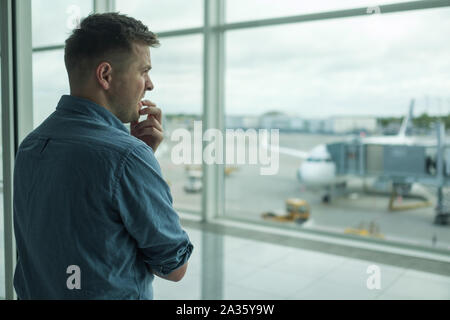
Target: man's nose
x,y
149,85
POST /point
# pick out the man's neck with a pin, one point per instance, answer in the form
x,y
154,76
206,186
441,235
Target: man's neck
x,y
98,100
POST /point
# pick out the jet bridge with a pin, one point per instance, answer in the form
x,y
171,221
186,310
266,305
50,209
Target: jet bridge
x,y
425,163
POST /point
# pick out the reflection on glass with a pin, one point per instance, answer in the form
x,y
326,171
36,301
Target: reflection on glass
x,y
262,9
164,15
177,79
321,82
54,20
50,82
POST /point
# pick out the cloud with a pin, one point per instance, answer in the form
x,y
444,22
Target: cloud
x,y
362,65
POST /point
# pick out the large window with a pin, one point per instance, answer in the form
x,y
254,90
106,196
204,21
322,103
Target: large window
x,y
318,82
304,74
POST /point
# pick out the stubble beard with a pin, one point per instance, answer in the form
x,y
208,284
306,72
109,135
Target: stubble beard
x,y
126,114
134,117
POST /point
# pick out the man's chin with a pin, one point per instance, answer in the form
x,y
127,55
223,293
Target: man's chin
x,y
130,119
135,117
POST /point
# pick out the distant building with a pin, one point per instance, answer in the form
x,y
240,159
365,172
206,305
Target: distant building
x,y
250,122
281,121
315,125
290,123
353,124
298,124
241,122
233,122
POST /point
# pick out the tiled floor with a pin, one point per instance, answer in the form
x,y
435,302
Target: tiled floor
x,y
226,267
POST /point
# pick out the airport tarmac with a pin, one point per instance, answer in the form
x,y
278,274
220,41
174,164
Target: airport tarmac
x,y
248,194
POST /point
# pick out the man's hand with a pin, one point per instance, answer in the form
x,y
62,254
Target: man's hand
x,y
150,130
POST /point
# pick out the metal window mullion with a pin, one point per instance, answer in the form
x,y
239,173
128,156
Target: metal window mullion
x,y
325,15
7,141
101,6
219,43
180,32
17,111
213,106
213,117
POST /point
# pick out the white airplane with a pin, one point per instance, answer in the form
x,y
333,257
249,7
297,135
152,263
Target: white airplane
x,y
318,170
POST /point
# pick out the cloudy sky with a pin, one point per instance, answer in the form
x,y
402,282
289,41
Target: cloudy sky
x,y
370,65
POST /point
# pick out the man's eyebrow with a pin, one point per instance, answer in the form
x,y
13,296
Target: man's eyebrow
x,y
149,67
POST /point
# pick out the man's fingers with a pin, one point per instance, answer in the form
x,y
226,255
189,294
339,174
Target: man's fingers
x,y
152,111
149,131
151,122
148,103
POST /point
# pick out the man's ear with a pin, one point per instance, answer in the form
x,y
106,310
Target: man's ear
x,y
103,75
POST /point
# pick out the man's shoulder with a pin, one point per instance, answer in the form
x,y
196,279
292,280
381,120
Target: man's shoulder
x,y
140,154
90,137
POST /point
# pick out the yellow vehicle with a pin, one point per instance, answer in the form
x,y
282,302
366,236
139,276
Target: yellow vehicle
x,y
298,210
373,230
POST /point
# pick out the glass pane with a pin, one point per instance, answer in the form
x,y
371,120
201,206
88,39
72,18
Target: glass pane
x,y
306,79
164,15
54,20
50,82
177,79
261,9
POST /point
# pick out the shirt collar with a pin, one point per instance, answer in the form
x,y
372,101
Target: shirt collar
x,y
91,109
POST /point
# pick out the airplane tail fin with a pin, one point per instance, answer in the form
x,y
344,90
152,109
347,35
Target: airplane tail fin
x,y
407,121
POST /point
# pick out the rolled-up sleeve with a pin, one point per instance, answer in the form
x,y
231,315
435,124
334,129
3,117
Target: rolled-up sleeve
x,y
145,204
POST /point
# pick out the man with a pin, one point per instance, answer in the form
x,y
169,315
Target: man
x,y
93,215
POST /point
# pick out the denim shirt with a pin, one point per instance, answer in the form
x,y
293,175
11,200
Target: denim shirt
x,y
93,216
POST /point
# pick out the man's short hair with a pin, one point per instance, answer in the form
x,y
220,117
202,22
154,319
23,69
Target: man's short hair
x,y
106,36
